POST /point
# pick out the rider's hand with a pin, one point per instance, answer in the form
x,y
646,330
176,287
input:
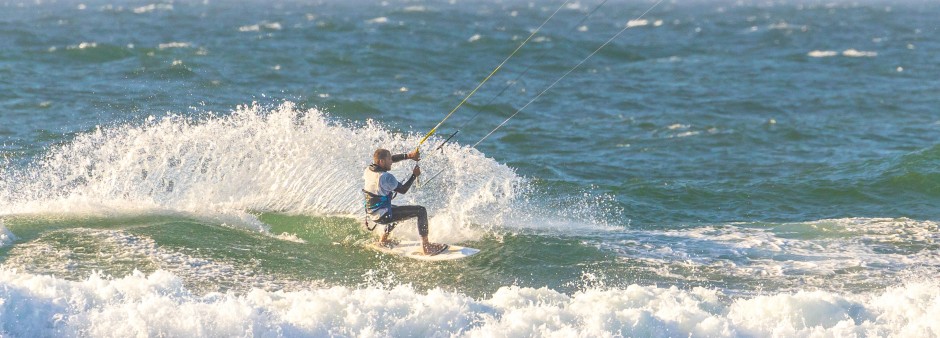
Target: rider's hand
x,y
415,155
416,171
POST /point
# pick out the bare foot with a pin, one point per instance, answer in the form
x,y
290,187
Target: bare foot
x,y
432,249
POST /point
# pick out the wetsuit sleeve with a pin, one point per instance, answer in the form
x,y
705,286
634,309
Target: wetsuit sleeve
x,y
403,188
399,157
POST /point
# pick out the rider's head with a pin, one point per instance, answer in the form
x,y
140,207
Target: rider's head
x,y
382,158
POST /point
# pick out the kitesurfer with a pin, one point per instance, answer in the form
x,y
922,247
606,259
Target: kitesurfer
x,y
381,187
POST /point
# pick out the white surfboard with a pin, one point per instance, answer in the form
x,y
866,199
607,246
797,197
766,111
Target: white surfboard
x,y
412,249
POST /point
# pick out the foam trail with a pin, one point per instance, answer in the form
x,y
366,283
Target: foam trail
x,y
158,304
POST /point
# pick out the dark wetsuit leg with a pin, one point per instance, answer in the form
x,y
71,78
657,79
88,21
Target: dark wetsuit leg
x,y
405,212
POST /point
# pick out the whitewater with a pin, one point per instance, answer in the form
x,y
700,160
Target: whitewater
x,y
158,304
722,169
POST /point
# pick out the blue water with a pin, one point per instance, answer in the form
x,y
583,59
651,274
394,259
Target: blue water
x,y
719,169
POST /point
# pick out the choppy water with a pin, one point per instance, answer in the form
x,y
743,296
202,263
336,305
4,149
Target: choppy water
x,y
721,169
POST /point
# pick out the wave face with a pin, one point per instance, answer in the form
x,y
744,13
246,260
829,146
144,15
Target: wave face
x,y
159,304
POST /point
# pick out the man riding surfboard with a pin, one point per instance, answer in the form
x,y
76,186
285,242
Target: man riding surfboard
x,y
380,187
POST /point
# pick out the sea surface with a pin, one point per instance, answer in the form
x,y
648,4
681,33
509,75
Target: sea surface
x,y
719,169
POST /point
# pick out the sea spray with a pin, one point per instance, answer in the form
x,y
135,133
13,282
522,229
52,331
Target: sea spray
x,y
283,159
256,159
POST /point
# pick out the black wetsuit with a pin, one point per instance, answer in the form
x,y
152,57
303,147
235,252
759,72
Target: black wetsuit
x,y
397,213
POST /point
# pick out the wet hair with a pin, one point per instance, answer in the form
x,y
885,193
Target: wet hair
x,y
380,154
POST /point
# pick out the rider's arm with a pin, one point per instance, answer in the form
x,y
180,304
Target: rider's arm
x,y
414,155
399,157
403,188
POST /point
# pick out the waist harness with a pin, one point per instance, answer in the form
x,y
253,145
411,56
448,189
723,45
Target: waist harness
x,y
375,202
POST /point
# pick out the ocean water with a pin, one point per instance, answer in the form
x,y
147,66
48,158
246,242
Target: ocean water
x,y
720,169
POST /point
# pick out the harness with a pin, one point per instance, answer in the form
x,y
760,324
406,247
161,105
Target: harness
x,y
375,202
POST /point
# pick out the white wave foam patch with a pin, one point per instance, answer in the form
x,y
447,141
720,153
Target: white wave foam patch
x,y
638,23
153,7
117,251
159,304
847,53
6,237
851,253
378,20
83,45
858,53
822,53
277,159
415,9
274,26
174,45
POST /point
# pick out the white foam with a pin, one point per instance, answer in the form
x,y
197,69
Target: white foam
x,y
249,28
83,45
822,53
290,237
276,26
847,53
174,45
6,237
638,23
849,253
474,38
783,25
378,20
415,9
122,251
159,305
688,133
153,7
858,53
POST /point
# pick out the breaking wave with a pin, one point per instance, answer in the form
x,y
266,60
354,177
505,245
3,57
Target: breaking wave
x,y
159,304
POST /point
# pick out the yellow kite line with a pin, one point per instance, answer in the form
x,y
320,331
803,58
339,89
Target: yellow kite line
x,y
434,130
